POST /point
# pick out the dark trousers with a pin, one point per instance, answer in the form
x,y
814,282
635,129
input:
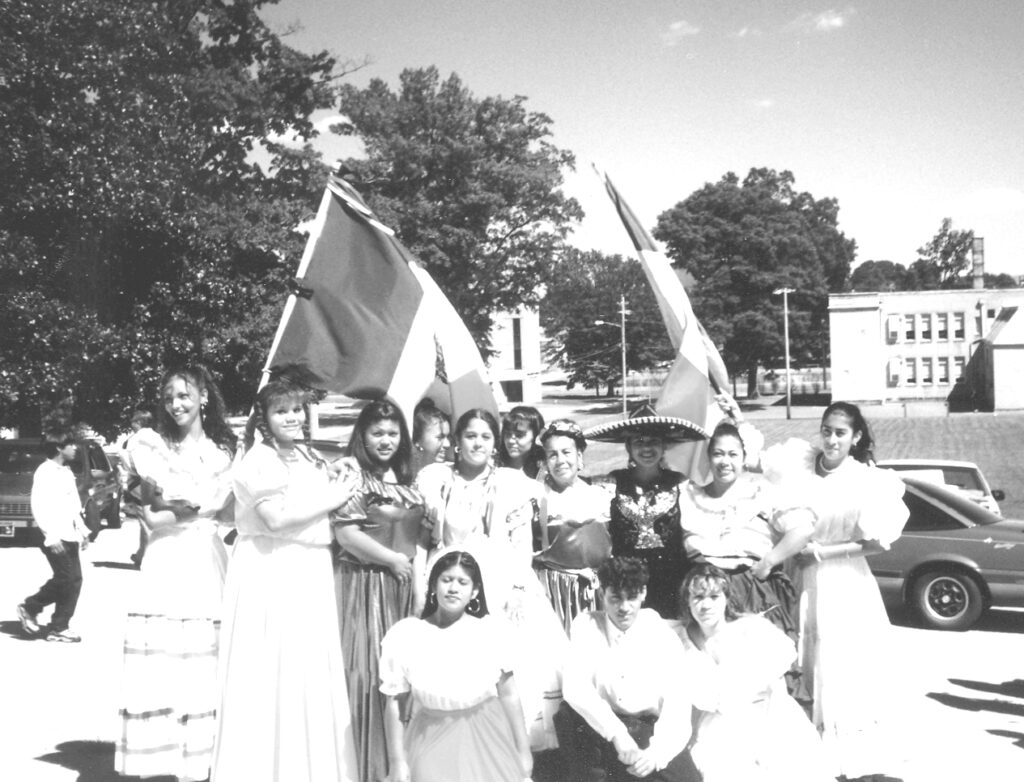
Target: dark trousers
x,y
62,589
592,759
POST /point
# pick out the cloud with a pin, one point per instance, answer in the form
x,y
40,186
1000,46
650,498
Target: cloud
x,y
747,32
677,31
823,22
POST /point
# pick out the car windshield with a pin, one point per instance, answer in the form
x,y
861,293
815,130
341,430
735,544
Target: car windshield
x,y
20,458
973,512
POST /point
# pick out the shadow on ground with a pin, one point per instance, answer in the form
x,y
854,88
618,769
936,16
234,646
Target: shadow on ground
x,y
978,704
92,760
15,631
1011,689
115,565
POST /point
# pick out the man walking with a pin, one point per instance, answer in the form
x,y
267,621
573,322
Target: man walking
x,y
58,513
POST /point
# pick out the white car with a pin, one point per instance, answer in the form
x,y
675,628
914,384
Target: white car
x,y
965,477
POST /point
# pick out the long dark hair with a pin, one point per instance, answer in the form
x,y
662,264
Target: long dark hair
x,y
531,416
382,410
212,414
467,562
863,449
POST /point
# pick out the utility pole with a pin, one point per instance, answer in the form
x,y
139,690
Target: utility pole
x,y
785,331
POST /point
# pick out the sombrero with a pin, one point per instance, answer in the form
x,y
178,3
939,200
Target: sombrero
x,y
645,420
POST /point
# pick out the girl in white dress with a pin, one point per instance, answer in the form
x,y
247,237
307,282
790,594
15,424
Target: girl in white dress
x,y
467,720
846,657
488,510
748,727
169,687
284,711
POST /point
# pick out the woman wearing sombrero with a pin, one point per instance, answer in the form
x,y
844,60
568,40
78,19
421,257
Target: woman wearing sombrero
x,y
644,519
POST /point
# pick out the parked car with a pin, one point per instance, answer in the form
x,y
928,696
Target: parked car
x,y
954,560
963,476
97,481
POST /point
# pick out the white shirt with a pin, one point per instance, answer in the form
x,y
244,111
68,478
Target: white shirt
x,y
55,503
636,671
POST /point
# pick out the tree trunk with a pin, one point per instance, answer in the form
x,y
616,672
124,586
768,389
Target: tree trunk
x,y
752,392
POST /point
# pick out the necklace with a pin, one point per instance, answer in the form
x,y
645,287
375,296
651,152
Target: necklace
x,y
826,470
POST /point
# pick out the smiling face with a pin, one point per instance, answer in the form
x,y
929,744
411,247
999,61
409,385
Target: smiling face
x,y
622,608
646,450
518,439
563,460
837,438
726,456
285,417
381,440
454,589
183,402
476,444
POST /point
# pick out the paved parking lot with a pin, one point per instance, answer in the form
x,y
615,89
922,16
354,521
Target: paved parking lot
x,y
961,712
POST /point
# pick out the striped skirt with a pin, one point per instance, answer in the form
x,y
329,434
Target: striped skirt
x,y
168,712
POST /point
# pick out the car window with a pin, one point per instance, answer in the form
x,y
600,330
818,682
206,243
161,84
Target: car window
x,y
98,459
962,478
925,516
15,459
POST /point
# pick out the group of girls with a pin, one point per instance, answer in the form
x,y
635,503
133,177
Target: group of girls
x,y
393,615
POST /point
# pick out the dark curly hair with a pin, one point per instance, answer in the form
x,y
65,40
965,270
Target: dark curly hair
x,y
725,429
383,409
212,413
705,577
467,562
623,575
863,449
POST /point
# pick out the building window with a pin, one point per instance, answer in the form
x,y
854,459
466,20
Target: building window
x,y
893,327
958,368
942,327
910,371
517,343
991,313
895,369
910,335
926,371
958,325
926,328
943,371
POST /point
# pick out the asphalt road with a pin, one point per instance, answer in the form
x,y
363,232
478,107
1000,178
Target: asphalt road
x,y
959,712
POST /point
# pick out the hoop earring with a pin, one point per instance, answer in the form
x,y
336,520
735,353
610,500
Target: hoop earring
x,y
474,606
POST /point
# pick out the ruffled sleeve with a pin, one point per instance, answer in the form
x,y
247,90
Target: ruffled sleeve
x,y
883,513
398,643
150,457
260,476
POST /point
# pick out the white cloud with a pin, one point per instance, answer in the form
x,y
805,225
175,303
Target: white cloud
x,y
747,32
677,31
822,22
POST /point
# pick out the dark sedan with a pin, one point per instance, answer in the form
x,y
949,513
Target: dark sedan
x,y
954,559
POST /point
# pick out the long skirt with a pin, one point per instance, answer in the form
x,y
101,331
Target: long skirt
x,y
468,745
284,713
775,598
370,601
570,594
169,684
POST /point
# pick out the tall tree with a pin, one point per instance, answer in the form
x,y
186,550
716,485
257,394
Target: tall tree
x,y
879,276
586,287
135,228
471,185
948,253
743,240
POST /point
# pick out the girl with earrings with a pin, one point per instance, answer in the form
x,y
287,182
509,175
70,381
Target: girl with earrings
x,y
284,710
431,433
467,719
489,510
377,531
169,694
844,625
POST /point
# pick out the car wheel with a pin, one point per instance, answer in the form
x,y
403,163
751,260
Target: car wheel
x,y
113,514
947,599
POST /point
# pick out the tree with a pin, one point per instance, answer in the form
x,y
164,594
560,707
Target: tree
x,y
879,276
948,255
471,186
585,287
742,241
135,228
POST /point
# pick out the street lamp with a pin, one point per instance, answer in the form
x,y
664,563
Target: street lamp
x,y
623,312
785,330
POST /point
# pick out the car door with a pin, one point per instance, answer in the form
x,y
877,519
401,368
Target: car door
x,y
103,478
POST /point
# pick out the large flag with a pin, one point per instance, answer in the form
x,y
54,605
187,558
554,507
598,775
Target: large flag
x,y
367,320
698,372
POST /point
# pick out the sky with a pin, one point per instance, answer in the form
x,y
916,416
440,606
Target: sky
x,y
905,111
